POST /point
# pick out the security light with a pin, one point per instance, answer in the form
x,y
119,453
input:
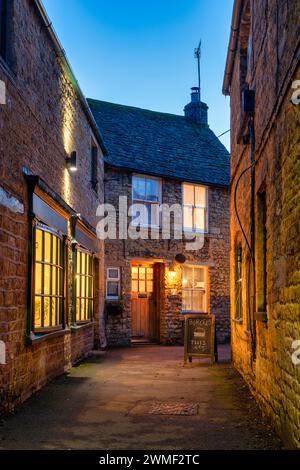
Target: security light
x,y
71,161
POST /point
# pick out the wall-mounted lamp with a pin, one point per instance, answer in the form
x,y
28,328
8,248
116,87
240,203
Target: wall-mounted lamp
x,y
172,274
71,161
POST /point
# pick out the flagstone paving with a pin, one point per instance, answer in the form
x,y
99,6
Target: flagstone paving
x,y
141,398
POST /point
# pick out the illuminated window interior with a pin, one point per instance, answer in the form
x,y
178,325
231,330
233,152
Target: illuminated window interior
x,y
194,208
194,289
141,279
84,286
48,298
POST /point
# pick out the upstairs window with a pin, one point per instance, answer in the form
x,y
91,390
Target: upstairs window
x,y
94,166
84,286
195,210
238,282
147,191
194,289
48,280
3,28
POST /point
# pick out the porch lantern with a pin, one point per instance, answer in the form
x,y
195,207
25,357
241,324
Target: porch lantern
x,y
71,161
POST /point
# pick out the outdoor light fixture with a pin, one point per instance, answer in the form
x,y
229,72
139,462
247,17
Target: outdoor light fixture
x,y
71,161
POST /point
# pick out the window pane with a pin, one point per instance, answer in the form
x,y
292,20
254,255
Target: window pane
x,y
188,194
54,250
46,279
113,274
135,286
47,257
199,281
38,245
38,278
134,272
139,188
152,190
112,289
149,273
83,263
187,300
142,273
54,289
200,196
38,312
200,219
188,217
47,311
78,257
53,309
198,301
187,277
149,286
142,286
82,286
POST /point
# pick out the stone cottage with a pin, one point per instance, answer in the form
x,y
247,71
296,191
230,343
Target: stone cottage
x,y
262,77
153,278
51,167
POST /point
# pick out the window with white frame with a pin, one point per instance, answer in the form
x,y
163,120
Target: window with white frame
x,y
195,208
113,284
194,289
146,190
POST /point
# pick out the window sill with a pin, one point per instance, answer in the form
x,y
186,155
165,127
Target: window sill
x,y
261,316
81,326
39,338
193,312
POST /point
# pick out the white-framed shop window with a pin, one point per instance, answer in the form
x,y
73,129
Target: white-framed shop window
x,y
195,208
194,289
113,283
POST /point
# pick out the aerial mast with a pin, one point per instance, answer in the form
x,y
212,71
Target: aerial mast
x,y
198,57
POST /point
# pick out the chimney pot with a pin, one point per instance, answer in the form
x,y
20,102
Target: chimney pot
x,y
196,110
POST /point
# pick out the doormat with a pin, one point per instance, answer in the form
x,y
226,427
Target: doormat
x,y
179,409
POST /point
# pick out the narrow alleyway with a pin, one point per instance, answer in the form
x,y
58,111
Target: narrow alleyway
x,y
128,399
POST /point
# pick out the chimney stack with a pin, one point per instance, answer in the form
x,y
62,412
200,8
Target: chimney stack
x,y
196,110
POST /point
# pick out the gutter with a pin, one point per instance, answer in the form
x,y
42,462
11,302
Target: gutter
x,y
234,34
67,68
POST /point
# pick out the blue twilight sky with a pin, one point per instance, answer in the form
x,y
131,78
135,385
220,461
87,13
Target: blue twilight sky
x,y
141,52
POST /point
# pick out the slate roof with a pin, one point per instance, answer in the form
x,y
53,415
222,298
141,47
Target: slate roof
x,y
161,144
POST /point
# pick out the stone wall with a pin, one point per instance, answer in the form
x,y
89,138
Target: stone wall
x,y
214,254
274,66
40,124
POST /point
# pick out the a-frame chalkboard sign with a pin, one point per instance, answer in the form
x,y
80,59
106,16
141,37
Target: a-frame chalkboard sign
x,y
199,337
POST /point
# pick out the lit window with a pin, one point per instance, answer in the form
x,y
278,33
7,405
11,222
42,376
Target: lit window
x,y
147,191
84,286
48,280
194,289
238,283
195,208
113,284
141,279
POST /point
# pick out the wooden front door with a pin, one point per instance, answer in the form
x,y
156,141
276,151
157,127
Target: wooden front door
x,y
144,321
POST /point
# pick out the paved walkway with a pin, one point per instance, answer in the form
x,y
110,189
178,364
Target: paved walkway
x,y
128,399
